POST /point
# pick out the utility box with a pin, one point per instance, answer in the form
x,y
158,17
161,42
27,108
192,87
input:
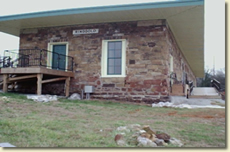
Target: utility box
x,y
89,89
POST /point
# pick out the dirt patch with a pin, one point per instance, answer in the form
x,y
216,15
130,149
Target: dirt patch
x,y
216,114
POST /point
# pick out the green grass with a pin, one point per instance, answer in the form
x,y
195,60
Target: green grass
x,y
68,123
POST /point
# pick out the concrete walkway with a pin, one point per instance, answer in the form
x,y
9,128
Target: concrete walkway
x,y
195,101
183,102
204,91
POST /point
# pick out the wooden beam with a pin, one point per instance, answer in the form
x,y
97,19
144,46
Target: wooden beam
x,y
5,83
53,80
37,70
23,77
39,84
56,72
27,70
67,85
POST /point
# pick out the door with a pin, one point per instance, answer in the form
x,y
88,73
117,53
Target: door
x,y
59,57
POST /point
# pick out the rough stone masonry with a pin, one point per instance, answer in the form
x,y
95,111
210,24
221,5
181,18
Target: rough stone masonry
x,y
149,45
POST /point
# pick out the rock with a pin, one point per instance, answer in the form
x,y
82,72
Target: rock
x,y
123,128
151,137
133,140
148,130
119,139
144,142
42,98
146,135
142,131
163,136
75,96
160,142
134,127
165,144
176,142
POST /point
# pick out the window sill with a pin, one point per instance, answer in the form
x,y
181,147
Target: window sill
x,y
113,76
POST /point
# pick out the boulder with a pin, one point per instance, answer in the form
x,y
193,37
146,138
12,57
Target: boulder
x,y
151,137
120,141
144,142
134,127
160,142
163,136
148,130
176,142
75,96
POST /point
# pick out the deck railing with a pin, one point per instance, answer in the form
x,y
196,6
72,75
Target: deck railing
x,y
36,57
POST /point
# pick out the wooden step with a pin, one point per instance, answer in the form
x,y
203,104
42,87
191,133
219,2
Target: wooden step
x,y
177,90
176,94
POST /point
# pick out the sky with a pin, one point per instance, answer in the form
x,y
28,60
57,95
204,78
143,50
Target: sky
x,y
214,22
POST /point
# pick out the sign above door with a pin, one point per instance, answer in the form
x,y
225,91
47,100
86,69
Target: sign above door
x,y
85,31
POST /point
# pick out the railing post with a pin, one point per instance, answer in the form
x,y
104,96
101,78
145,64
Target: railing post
x,y
40,62
72,65
58,61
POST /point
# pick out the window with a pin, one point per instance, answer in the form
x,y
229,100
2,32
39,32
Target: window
x,y
113,58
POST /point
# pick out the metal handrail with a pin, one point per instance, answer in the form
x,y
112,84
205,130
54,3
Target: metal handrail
x,y
216,84
191,86
39,57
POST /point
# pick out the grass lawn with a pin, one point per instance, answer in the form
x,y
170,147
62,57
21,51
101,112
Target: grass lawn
x,y
65,123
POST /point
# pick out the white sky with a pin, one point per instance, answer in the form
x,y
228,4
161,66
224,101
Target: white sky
x,y
214,21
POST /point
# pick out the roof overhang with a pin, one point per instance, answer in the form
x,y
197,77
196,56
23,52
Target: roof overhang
x,y
185,18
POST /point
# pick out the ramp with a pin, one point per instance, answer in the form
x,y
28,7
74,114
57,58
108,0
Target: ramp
x,y
205,92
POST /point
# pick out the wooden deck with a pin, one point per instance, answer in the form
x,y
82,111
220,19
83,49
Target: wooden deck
x,y
22,74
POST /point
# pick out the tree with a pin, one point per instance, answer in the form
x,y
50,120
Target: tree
x,y
206,81
220,76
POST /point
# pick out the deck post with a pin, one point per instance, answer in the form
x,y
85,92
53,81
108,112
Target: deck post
x,y
67,82
39,84
5,83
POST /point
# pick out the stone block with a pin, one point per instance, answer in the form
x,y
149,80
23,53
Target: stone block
x,y
108,85
137,66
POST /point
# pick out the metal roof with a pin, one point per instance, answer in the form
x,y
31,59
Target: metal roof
x,y
185,18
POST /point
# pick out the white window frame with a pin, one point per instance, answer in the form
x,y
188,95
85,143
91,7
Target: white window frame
x,y
50,56
171,63
104,58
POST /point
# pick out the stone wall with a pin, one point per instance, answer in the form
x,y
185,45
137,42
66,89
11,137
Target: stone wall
x,y
180,64
149,44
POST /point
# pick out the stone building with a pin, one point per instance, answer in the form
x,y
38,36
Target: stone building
x,y
135,52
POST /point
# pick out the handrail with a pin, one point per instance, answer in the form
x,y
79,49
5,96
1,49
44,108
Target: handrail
x,y
216,84
38,57
191,86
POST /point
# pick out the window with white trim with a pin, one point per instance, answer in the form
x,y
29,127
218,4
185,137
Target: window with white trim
x,y
113,58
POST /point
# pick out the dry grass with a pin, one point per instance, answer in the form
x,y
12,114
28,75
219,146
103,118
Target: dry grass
x,y
64,123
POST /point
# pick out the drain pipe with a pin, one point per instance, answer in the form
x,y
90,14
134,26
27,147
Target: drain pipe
x,y
82,94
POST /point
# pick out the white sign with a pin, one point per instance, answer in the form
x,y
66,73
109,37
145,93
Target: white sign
x,y
85,31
